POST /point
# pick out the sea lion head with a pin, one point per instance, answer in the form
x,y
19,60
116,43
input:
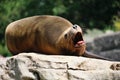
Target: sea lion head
x,y
71,41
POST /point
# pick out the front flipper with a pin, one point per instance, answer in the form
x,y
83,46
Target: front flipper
x,y
91,55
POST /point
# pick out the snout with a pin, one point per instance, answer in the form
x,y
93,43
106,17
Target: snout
x,y
77,28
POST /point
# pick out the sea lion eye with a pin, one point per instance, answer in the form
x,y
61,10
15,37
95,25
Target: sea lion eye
x,y
65,36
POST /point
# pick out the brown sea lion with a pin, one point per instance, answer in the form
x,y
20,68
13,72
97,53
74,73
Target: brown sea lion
x,y
46,34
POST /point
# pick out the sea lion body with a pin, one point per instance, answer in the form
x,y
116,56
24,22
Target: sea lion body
x,y
45,34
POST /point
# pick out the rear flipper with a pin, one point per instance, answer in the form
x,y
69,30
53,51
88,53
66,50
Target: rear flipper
x,y
91,55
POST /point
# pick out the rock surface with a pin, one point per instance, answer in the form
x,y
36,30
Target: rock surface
x,y
34,66
107,46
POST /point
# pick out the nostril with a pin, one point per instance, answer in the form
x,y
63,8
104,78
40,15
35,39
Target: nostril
x,y
75,26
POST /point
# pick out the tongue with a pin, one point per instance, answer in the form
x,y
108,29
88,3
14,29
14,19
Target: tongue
x,y
79,43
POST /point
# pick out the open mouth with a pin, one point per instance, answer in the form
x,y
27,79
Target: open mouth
x,y
78,40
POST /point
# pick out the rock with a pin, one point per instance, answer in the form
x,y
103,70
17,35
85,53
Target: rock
x,y
108,42
32,66
113,54
107,45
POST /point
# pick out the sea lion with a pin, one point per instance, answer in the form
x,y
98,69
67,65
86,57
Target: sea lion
x,y
46,34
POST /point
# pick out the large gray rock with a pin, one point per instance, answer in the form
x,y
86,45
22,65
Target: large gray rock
x,y
107,46
108,42
31,66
